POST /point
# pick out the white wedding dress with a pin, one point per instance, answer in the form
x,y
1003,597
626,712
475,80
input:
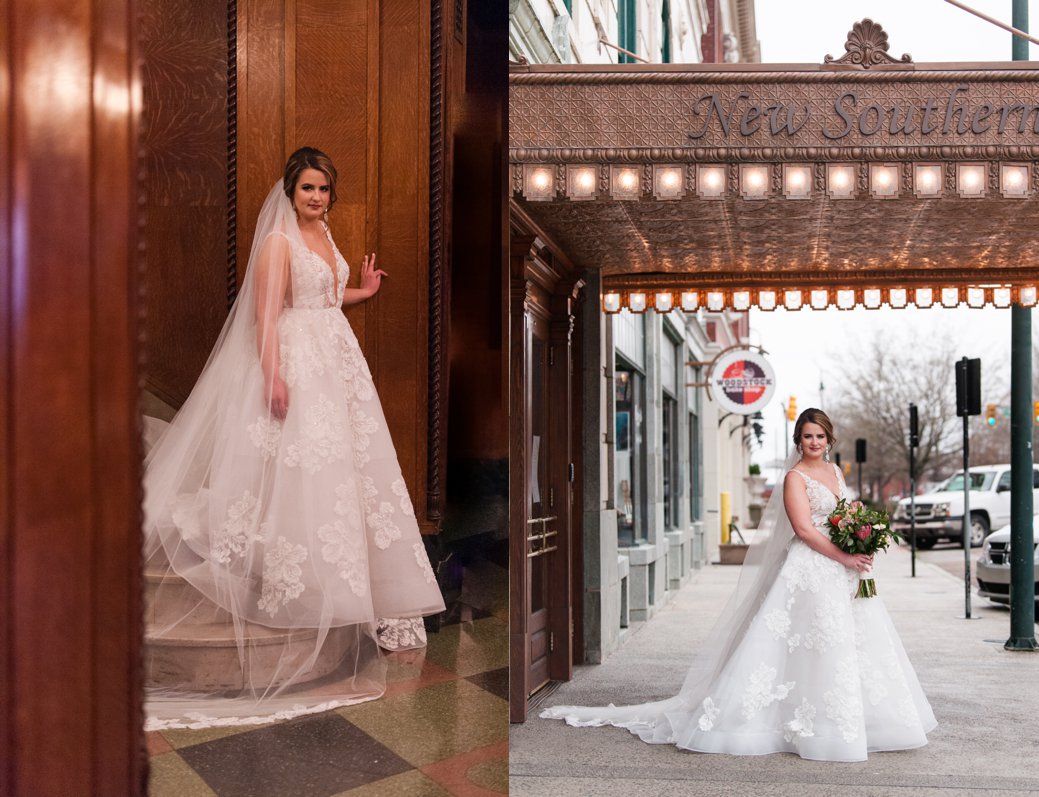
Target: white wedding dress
x,y
278,553
817,672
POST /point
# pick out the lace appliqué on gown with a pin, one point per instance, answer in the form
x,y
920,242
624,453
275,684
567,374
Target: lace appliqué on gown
x,y
806,628
815,673
284,541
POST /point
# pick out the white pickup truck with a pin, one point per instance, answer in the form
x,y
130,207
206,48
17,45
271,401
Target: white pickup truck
x,y
939,514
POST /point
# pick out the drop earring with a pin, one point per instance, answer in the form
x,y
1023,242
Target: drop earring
x,y
826,454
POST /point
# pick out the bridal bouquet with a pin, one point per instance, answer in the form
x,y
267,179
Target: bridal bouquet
x,y
854,528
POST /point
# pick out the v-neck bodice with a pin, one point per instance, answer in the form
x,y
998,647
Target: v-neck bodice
x,y
314,286
821,499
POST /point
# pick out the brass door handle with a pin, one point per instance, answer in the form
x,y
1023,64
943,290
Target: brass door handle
x,y
542,535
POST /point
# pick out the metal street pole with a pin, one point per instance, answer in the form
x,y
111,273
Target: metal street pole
x,y
1022,585
966,514
913,440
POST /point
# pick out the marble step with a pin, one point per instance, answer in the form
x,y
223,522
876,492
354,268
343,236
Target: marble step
x,y
181,603
189,640
207,658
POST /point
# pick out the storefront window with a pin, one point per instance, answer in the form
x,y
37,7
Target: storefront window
x,y
670,455
630,455
693,394
669,357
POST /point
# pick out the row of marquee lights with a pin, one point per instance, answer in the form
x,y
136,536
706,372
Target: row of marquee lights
x,y
709,181
817,299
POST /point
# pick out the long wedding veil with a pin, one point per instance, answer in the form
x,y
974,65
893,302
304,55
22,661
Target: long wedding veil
x,y
222,646
670,721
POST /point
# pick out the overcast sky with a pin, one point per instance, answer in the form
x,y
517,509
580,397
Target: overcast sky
x,y
801,344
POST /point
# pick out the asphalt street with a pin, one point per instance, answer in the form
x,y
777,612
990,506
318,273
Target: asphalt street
x,y
985,698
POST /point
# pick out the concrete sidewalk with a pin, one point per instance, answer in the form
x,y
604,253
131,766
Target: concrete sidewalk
x,y
986,701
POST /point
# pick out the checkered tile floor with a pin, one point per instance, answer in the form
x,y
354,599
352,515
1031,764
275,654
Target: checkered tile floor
x,y
441,728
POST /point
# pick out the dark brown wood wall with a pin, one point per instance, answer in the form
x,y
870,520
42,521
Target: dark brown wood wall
x,y
184,80
69,486
478,99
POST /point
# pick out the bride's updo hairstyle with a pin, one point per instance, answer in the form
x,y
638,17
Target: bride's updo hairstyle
x,y
813,415
309,158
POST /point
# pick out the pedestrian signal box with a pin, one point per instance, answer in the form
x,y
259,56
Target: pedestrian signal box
x,y
791,409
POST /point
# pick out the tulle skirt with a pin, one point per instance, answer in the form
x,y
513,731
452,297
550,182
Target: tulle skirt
x,y
817,673
272,547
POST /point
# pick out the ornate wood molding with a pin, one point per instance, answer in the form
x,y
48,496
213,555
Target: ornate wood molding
x,y
232,151
867,46
436,386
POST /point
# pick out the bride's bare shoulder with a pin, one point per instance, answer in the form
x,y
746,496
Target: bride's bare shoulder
x,y
797,483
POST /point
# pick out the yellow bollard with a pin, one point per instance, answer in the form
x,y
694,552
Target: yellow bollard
x,y
725,511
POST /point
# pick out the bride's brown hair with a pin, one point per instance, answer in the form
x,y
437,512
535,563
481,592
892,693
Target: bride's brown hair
x,y
813,415
309,158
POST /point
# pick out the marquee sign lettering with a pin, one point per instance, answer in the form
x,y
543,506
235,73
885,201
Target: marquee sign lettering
x,y
863,181
950,114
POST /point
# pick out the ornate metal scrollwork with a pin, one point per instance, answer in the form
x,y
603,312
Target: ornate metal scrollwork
x,y
867,46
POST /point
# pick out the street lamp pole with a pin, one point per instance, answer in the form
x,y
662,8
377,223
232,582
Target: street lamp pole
x,y
1022,585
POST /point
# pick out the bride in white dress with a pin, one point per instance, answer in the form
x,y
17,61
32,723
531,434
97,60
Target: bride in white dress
x,y
279,533
795,663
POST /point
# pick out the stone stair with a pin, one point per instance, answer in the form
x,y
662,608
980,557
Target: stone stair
x,y
202,650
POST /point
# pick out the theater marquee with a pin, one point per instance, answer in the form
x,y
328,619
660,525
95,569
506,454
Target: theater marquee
x,y
864,180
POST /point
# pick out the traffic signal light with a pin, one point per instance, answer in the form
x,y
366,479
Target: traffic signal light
x,y
990,414
791,409
1035,411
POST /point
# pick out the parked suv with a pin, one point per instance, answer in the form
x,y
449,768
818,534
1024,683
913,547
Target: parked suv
x,y
993,568
939,514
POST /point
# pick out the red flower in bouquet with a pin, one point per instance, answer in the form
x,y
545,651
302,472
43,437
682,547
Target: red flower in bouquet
x,y
855,528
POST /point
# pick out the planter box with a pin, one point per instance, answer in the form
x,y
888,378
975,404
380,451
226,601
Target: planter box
x,y
731,554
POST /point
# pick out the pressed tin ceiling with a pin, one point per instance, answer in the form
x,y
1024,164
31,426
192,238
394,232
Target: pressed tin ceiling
x,y
573,130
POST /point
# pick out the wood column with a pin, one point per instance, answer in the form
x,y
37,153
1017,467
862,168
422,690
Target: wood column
x,y
69,488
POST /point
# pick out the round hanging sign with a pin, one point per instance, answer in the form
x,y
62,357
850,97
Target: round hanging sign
x,y
743,381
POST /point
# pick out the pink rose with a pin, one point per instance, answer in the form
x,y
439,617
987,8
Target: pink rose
x,y
843,523
864,532
856,506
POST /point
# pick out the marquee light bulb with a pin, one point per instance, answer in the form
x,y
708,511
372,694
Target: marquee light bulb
x,y
710,182
971,179
840,180
1014,179
883,180
754,181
